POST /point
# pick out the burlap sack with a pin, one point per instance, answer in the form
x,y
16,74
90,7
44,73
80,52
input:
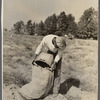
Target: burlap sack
x,y
41,84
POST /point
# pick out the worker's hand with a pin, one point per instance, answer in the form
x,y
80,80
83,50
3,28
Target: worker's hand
x,y
53,67
50,69
34,59
33,62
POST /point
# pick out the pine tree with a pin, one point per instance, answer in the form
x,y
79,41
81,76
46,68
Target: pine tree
x,y
29,27
62,22
72,25
50,24
41,29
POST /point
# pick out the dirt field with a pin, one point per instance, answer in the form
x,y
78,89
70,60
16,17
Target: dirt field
x,y
79,77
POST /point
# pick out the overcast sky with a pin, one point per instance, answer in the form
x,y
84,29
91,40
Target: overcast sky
x,y
37,10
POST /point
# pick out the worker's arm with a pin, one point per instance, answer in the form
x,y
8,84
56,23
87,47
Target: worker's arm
x,y
39,49
57,58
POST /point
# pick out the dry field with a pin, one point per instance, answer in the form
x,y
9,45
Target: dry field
x,y
79,77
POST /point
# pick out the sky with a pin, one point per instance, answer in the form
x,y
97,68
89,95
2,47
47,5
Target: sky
x,y
37,10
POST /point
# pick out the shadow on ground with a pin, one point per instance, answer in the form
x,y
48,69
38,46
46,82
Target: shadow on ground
x,y
67,84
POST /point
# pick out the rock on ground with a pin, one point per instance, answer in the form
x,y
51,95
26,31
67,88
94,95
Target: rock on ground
x,y
77,94
58,97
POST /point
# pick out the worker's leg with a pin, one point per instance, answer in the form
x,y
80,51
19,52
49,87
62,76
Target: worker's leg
x,y
57,76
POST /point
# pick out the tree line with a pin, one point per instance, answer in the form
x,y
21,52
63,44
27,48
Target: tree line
x,y
63,24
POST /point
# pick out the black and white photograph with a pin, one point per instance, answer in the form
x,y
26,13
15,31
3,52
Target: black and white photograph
x,y
50,49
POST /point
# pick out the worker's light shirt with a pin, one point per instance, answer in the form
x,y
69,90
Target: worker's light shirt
x,y
47,42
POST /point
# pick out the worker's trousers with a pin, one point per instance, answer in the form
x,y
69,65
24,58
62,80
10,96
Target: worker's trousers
x,y
57,75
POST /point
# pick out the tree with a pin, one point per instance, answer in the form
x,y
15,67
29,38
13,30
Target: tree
x,y
40,29
72,25
33,29
50,24
18,26
62,22
88,23
29,27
